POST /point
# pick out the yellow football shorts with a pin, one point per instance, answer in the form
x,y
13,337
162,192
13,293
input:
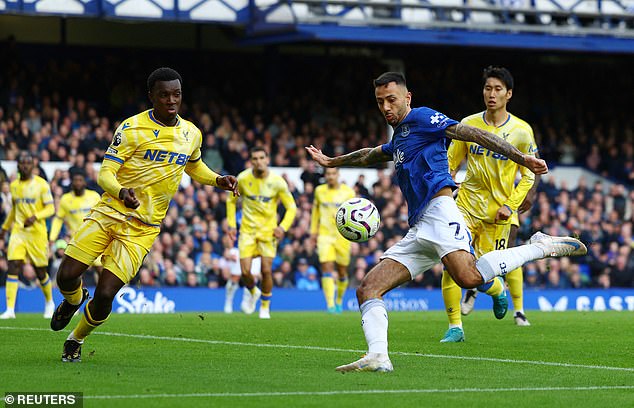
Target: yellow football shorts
x,y
487,237
123,241
29,246
333,249
260,243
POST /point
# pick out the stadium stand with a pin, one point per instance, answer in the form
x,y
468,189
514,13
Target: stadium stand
x,y
65,108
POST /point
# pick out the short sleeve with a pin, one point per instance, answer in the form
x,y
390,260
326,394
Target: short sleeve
x,y
123,144
434,122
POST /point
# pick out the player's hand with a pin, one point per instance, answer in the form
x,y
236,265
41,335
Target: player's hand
x,y
279,233
318,156
30,221
229,183
537,166
129,198
232,233
503,214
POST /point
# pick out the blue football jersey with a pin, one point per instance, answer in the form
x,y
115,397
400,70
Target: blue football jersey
x,y
420,157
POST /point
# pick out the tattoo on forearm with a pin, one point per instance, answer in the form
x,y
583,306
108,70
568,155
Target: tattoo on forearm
x,y
485,139
361,158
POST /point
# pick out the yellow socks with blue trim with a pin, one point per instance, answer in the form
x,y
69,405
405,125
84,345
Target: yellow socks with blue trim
x,y
493,287
86,325
73,296
47,288
342,285
451,295
328,287
266,300
515,281
11,291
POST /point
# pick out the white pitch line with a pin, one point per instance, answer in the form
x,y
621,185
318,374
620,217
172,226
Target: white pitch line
x,y
318,348
361,392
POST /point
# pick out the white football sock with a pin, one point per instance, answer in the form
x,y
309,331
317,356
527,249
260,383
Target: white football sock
x,y
71,336
230,290
501,262
374,323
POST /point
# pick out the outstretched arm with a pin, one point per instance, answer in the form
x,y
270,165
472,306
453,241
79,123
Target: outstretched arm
x,y
359,158
496,144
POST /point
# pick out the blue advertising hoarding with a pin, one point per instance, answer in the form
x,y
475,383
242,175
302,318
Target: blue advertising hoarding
x,y
174,300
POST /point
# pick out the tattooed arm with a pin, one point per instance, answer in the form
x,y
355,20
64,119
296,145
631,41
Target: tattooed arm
x,y
359,158
495,144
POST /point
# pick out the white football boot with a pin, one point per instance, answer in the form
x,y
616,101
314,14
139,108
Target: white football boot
x,y
249,300
370,362
558,246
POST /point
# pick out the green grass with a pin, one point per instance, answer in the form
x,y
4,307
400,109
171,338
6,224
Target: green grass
x,y
228,360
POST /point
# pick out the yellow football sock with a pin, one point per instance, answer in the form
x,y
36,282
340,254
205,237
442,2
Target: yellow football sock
x,y
73,296
342,285
497,287
266,300
328,287
86,325
451,294
47,288
515,280
11,291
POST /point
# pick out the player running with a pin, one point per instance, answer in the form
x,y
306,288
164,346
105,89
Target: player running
x,y
488,197
141,172
32,204
332,248
261,191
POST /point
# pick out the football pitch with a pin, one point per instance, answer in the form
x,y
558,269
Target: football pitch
x,y
566,359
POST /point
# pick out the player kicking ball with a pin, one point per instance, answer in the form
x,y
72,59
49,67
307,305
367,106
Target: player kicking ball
x,y
140,174
438,231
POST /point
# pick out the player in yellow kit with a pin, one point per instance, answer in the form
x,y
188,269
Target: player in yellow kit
x,y
488,196
140,173
73,206
333,249
261,191
32,204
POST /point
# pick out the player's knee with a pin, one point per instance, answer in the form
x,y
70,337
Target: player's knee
x,y
365,292
104,296
469,279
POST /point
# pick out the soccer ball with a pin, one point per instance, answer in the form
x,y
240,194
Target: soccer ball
x,y
358,219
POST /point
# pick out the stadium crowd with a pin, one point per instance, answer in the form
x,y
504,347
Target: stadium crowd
x,y
62,112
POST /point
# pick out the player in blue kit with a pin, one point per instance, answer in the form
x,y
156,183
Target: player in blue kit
x,y
437,228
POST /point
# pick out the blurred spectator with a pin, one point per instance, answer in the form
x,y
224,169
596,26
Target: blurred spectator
x,y
64,124
306,276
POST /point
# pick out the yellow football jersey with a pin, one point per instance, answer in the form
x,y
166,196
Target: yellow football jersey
x,y
29,197
260,197
72,210
325,204
152,158
490,178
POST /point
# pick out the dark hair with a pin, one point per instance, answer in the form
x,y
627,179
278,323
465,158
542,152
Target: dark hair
x,y
500,73
388,77
256,149
77,171
25,155
162,74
